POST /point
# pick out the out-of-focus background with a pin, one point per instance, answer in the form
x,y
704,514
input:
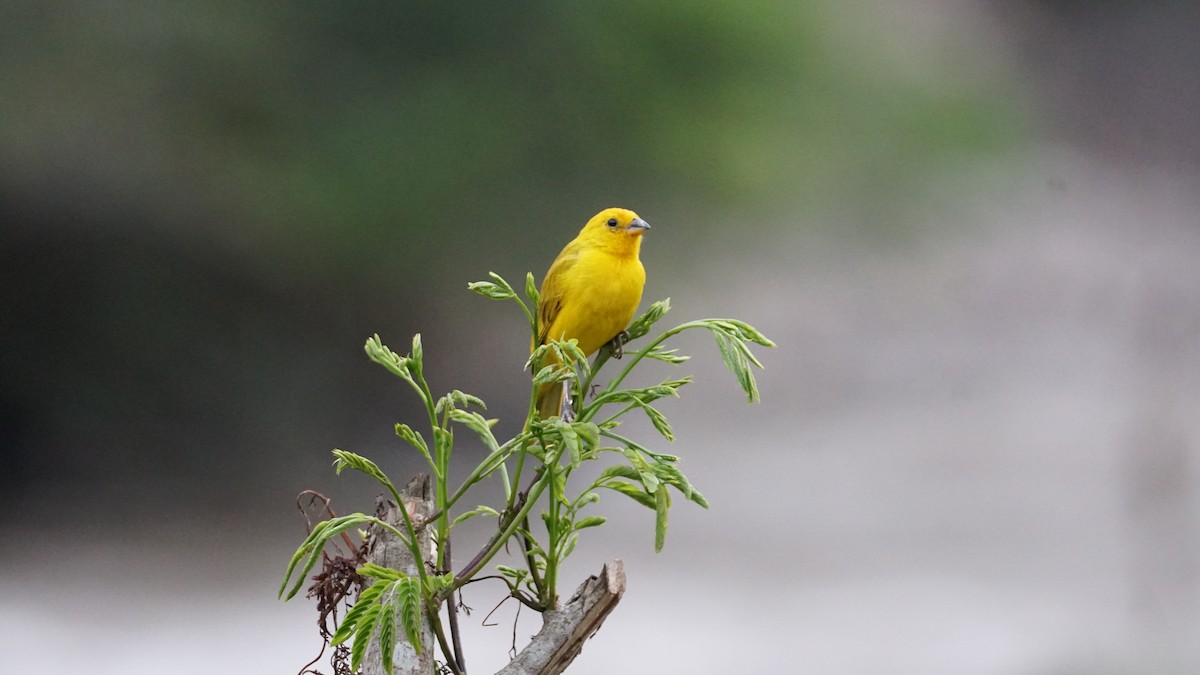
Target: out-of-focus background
x,y
972,228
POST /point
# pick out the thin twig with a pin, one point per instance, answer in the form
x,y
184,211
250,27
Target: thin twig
x,y
529,559
452,611
315,496
505,522
441,638
512,653
489,614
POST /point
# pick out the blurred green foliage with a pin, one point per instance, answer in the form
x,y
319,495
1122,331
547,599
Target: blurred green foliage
x,y
334,134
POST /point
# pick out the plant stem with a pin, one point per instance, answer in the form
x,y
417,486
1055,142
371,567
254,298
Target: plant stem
x,y
411,540
614,416
591,410
436,622
526,500
511,498
601,357
530,561
472,479
548,594
452,613
641,353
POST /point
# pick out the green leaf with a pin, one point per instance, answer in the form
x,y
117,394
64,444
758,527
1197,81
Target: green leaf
x,y
492,462
464,400
436,583
569,546
357,462
570,349
531,290
538,357
621,471
366,600
588,432
442,439
345,459
555,372
409,591
646,394
642,324
310,550
727,353
379,353
659,421
731,336
516,574
418,355
558,488
632,491
559,352
662,502
475,422
667,355
736,362
649,480
748,332
570,439
377,572
535,450
491,290
590,521
671,475
750,386
387,636
586,499
363,635
746,353
457,399
661,456
631,453
414,438
502,283
478,511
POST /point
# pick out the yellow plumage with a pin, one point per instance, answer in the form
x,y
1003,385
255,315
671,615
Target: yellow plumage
x,y
592,290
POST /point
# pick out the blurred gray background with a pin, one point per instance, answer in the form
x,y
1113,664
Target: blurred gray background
x,y
971,227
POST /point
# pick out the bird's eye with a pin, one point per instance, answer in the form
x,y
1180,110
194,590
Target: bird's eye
x,y
612,222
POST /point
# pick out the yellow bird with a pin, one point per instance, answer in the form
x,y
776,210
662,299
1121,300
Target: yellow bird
x,y
592,290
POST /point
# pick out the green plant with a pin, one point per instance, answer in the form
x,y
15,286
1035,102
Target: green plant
x,y
547,453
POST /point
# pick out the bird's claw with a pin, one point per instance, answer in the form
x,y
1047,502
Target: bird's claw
x,y
568,411
616,346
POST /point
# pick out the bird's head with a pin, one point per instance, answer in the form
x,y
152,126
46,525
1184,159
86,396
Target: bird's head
x,y
619,229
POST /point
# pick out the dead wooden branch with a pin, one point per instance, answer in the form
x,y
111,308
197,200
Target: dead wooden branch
x,y
565,629
387,551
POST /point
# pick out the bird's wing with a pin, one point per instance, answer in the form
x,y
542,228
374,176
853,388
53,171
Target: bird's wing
x,y
554,290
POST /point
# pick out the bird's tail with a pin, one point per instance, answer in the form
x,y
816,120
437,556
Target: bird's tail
x,y
549,400
549,396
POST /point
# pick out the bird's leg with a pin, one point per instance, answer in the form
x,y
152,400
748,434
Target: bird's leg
x,y
617,345
568,407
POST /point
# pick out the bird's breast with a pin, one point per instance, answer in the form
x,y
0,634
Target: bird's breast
x,y
604,296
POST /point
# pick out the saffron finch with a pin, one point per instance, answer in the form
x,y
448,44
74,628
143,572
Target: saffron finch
x,y
592,290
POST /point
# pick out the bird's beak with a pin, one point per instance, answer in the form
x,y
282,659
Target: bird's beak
x,y
638,225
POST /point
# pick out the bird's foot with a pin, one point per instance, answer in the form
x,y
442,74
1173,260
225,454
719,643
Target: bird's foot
x,y
616,346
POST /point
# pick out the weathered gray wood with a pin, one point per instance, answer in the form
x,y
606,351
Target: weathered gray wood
x,y
564,630
387,551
